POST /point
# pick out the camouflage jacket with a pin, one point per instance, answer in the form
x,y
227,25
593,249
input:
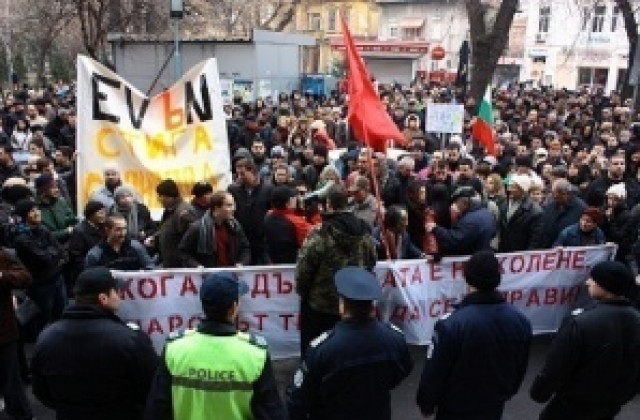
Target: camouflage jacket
x,y
342,240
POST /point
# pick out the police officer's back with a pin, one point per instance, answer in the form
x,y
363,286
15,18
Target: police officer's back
x,y
479,353
349,371
215,372
89,364
593,367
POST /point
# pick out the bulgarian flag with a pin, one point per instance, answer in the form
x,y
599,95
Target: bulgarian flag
x,y
482,129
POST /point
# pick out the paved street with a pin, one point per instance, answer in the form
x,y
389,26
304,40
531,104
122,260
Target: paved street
x,y
404,408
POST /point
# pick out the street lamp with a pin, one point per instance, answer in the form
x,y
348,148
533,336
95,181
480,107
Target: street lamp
x,y
176,14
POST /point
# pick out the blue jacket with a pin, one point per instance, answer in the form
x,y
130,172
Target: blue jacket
x,y
473,232
571,236
477,358
349,371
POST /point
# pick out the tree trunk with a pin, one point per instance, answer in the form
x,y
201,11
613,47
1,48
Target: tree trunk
x,y
488,40
631,28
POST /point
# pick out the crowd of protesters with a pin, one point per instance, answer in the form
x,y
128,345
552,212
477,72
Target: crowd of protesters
x,y
566,172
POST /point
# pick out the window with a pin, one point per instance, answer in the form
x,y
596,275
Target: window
x,y
315,21
393,32
586,16
331,22
592,76
545,19
614,18
597,23
412,33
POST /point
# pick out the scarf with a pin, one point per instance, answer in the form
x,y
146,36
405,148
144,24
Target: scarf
x,y
133,227
206,243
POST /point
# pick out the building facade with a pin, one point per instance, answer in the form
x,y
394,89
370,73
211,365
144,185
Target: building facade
x,y
571,44
433,23
321,19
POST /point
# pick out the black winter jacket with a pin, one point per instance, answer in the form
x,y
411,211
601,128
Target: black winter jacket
x,y
485,337
39,251
90,365
594,361
522,231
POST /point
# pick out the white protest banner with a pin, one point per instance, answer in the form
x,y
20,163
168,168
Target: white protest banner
x,y
179,134
544,285
444,118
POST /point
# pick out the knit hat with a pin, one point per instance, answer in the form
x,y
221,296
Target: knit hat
x,y
522,181
92,208
23,207
123,190
482,271
594,213
168,188
619,190
44,181
615,277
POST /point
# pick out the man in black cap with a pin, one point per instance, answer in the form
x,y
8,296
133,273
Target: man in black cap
x,y
593,367
215,368
474,230
349,371
177,216
202,192
84,236
478,355
90,364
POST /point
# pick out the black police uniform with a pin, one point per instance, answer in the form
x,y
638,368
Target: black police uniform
x,y
348,372
476,361
90,365
593,367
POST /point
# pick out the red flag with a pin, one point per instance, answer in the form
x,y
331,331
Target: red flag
x,y
368,117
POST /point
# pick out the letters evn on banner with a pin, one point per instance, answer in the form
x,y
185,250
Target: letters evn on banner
x,y
543,285
179,133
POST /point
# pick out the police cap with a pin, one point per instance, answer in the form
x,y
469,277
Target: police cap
x,y
220,290
356,283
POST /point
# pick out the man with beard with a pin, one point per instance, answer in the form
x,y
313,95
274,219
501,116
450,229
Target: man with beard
x,y
596,193
259,154
140,226
395,189
117,251
106,194
467,176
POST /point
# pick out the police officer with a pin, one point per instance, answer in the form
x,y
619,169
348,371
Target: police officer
x,y
478,355
348,372
215,372
593,367
90,364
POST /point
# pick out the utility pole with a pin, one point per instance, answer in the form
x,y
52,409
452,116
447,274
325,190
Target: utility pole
x,y
177,13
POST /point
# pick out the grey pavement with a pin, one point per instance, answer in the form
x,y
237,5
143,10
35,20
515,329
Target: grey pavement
x,y
521,407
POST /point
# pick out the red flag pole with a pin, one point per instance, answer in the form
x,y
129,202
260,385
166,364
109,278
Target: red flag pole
x,y
376,191
362,73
